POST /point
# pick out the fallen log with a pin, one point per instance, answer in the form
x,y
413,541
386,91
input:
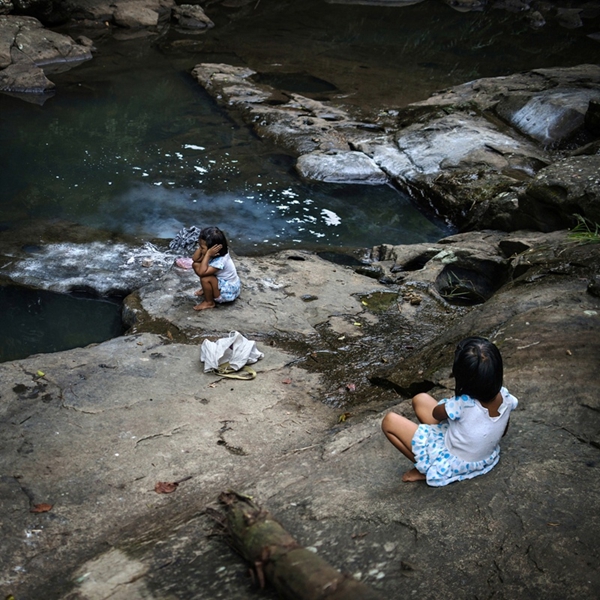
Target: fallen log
x,y
295,572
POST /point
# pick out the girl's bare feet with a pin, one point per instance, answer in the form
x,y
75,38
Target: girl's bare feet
x,y
204,305
198,293
413,475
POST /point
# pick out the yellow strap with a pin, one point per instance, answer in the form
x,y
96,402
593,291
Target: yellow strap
x,y
225,370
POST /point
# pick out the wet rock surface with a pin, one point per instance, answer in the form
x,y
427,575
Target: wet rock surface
x,y
26,46
91,431
567,187
64,257
468,153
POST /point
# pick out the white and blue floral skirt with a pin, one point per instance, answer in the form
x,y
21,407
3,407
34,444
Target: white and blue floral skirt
x,y
229,290
436,462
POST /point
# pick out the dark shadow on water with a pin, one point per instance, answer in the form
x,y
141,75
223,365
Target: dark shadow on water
x,y
338,258
299,83
38,321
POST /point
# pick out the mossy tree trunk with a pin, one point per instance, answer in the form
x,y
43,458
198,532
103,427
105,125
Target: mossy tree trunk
x,y
295,572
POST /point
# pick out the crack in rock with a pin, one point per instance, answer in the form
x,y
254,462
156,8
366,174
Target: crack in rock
x,y
152,436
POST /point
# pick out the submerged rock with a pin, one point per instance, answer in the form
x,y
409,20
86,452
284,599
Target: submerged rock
x,y
65,257
104,268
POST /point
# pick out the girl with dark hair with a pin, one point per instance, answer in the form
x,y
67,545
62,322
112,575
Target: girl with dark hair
x,y
212,263
458,437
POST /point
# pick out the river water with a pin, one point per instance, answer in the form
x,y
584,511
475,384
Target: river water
x,y
130,143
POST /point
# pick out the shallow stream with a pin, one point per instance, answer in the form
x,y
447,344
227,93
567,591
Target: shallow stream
x,y
131,144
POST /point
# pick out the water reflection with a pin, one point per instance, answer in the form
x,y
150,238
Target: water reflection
x,y
145,159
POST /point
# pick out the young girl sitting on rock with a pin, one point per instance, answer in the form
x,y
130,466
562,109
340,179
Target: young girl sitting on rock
x,y
458,437
212,263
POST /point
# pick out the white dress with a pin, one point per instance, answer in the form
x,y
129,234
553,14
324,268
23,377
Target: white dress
x,y
227,277
465,445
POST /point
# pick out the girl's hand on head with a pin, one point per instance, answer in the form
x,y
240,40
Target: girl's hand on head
x,y
214,250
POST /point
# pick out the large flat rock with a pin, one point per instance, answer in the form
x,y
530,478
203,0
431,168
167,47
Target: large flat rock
x,y
91,431
465,153
104,424
287,294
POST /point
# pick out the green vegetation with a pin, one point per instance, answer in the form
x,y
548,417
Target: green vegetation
x,y
460,291
585,232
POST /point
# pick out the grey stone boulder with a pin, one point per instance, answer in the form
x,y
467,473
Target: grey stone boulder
x,y
535,19
460,161
229,85
472,168
548,105
25,77
345,167
42,46
551,116
485,93
192,16
135,16
100,11
466,153
304,125
297,123
9,28
128,14
562,190
464,142
570,18
26,46
142,14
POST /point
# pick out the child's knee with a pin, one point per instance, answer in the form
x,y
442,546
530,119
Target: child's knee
x,y
421,398
387,424
415,400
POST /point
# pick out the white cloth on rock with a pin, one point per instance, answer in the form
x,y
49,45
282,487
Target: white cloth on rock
x,y
237,350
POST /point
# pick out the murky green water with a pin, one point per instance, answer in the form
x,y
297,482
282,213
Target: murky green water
x,y
148,152
35,321
130,143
